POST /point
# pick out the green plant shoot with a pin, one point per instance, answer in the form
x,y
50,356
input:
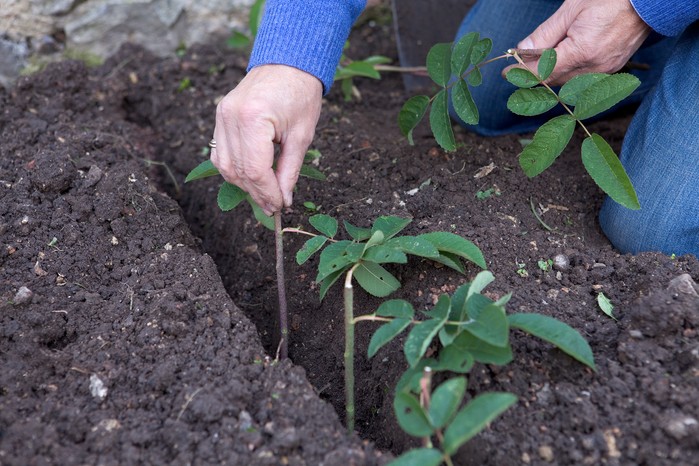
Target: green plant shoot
x,y
455,68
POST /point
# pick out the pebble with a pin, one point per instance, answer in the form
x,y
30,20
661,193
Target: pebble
x,y
546,453
561,262
684,285
680,427
94,174
97,388
24,296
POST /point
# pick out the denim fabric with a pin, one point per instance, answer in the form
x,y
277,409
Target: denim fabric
x,y
661,148
661,155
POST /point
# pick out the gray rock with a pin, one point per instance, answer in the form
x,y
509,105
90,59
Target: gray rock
x,y
561,262
24,296
684,284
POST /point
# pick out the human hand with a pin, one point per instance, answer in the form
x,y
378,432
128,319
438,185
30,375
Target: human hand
x,y
589,36
272,104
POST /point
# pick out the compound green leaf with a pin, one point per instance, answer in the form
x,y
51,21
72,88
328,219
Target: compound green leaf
x,y
256,12
357,68
377,60
464,106
461,53
474,417
450,260
558,333
229,196
454,359
491,326
479,283
330,280
604,94
383,255
419,339
324,224
309,248
445,401
571,90
385,334
390,225
411,416
419,457
548,143
475,305
451,243
410,380
440,123
413,245
441,309
522,78
333,258
396,308
375,238
481,50
439,63
458,303
411,113
376,280
531,102
357,233
311,172
475,77
547,62
260,216
483,352
605,168
238,40
203,170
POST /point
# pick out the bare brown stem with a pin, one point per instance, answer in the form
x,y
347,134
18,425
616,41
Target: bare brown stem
x,y
281,288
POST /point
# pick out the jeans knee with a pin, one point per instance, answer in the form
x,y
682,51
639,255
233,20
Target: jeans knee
x,y
652,228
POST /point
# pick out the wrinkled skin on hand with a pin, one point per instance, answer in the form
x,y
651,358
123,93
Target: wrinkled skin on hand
x,y
590,36
273,104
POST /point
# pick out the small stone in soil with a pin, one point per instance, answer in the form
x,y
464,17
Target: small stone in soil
x,y
24,296
546,453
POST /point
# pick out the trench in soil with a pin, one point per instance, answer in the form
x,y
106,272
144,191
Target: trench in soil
x,y
579,415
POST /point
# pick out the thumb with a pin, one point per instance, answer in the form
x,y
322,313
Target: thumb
x,y
548,34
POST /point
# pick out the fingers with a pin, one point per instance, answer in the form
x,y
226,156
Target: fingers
x,y
244,156
272,104
550,32
588,36
289,166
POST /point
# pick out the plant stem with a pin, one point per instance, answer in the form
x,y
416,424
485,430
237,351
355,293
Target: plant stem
x,y
281,287
375,318
349,349
304,232
515,54
419,70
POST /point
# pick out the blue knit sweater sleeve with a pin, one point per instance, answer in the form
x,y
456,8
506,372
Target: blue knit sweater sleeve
x,y
668,17
306,34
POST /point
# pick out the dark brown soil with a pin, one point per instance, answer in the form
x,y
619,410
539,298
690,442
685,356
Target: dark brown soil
x,y
187,379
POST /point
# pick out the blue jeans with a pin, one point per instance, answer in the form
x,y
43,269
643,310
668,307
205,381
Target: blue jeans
x,y
661,147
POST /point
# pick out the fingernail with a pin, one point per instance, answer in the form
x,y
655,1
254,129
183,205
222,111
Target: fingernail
x,y
288,199
527,43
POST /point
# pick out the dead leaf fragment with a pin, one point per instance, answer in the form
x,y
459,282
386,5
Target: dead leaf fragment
x,y
39,271
485,171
